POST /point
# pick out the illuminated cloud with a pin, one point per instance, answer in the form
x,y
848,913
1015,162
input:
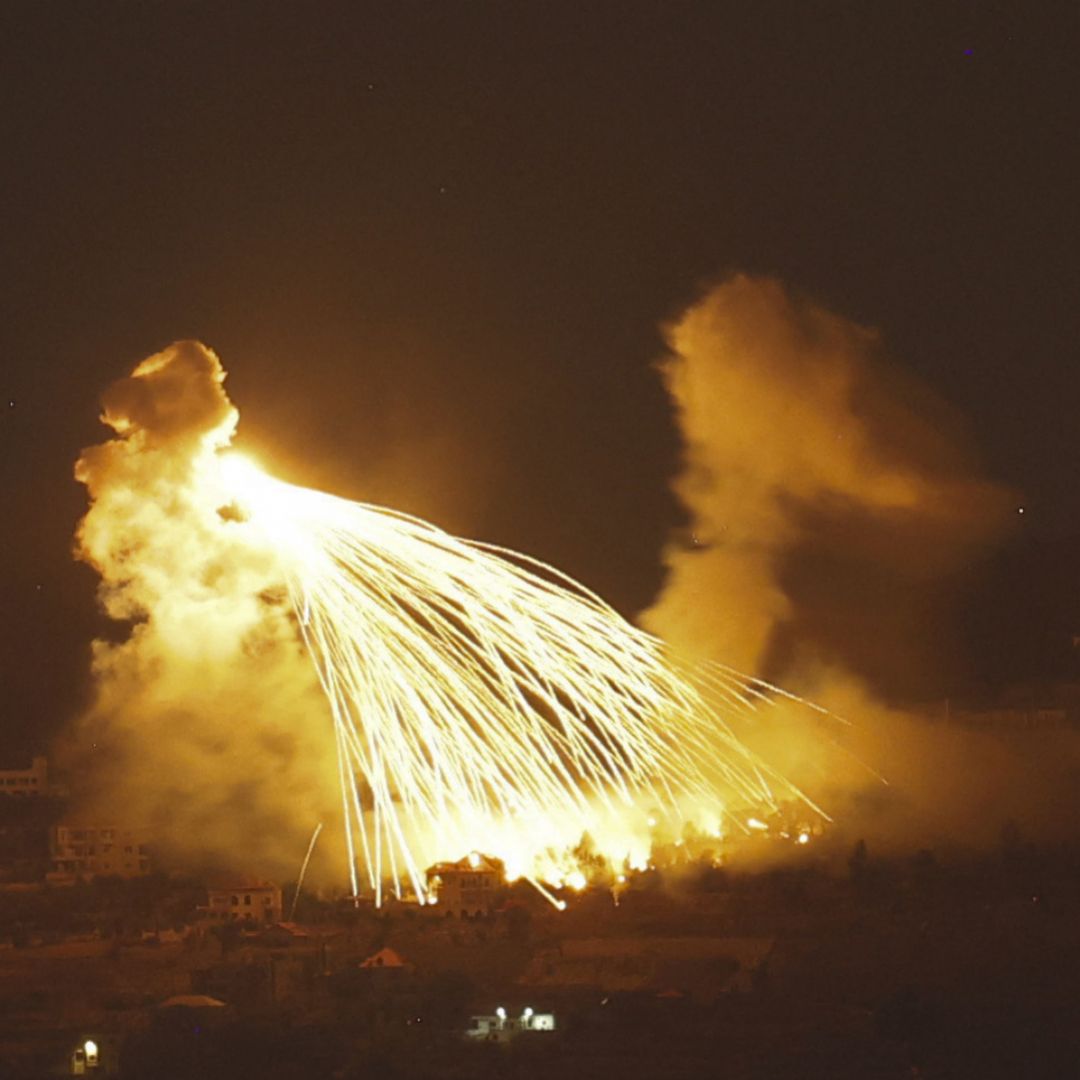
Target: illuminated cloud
x,y
833,505
208,724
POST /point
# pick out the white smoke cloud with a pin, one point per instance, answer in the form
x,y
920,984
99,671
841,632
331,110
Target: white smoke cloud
x,y
835,510
801,446
208,725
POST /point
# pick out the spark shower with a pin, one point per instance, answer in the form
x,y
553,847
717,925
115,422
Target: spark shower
x,y
479,699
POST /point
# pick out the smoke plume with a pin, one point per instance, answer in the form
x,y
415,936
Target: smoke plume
x,y
835,515
833,506
209,726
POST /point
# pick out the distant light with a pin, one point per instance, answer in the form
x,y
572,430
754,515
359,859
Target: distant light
x,y
527,1013
804,838
652,823
500,1012
91,1049
753,823
1019,509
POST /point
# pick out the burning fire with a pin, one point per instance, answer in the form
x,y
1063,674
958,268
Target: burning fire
x,y
479,698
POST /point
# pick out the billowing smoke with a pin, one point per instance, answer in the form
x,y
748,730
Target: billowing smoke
x,y
835,515
209,726
833,507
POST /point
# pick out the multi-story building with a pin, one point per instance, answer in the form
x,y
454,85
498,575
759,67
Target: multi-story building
x,y
247,901
26,782
83,852
466,887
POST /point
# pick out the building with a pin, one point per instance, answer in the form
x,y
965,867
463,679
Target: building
x,y
26,782
252,902
465,887
83,852
386,959
500,1026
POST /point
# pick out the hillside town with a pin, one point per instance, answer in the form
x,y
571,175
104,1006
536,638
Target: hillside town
x,y
870,964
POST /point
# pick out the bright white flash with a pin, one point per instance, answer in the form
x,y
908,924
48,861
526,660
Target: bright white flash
x,y
479,695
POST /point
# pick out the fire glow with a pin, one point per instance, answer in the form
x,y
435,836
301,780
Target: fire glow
x,y
480,699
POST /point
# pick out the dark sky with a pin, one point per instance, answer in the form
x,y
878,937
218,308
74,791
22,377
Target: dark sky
x,y
433,243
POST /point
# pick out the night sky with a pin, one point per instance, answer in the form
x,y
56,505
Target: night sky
x,y
434,245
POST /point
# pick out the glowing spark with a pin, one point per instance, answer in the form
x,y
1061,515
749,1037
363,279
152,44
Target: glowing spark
x,y
482,698
576,880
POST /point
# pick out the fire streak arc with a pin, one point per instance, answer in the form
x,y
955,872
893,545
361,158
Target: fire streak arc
x,y
488,699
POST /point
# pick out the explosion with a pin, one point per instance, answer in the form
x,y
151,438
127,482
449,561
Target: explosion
x,y
478,698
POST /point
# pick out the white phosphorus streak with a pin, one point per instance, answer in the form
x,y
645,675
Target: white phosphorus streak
x,y
477,693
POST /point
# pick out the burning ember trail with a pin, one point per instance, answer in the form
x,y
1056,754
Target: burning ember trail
x,y
480,699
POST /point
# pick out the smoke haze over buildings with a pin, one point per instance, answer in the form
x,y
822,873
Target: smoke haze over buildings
x,y
208,723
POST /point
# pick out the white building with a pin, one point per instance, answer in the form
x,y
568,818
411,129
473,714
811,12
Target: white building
x,y
88,851
26,782
255,903
502,1027
466,887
